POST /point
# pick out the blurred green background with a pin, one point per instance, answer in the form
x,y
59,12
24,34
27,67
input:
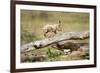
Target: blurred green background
x,y
33,21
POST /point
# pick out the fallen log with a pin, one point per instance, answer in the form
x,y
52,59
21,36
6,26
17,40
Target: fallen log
x,y
71,44
57,38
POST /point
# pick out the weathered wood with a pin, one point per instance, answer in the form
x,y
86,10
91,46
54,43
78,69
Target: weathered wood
x,y
70,44
61,37
57,38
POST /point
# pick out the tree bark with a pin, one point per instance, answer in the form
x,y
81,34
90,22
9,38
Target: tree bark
x,y
57,38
